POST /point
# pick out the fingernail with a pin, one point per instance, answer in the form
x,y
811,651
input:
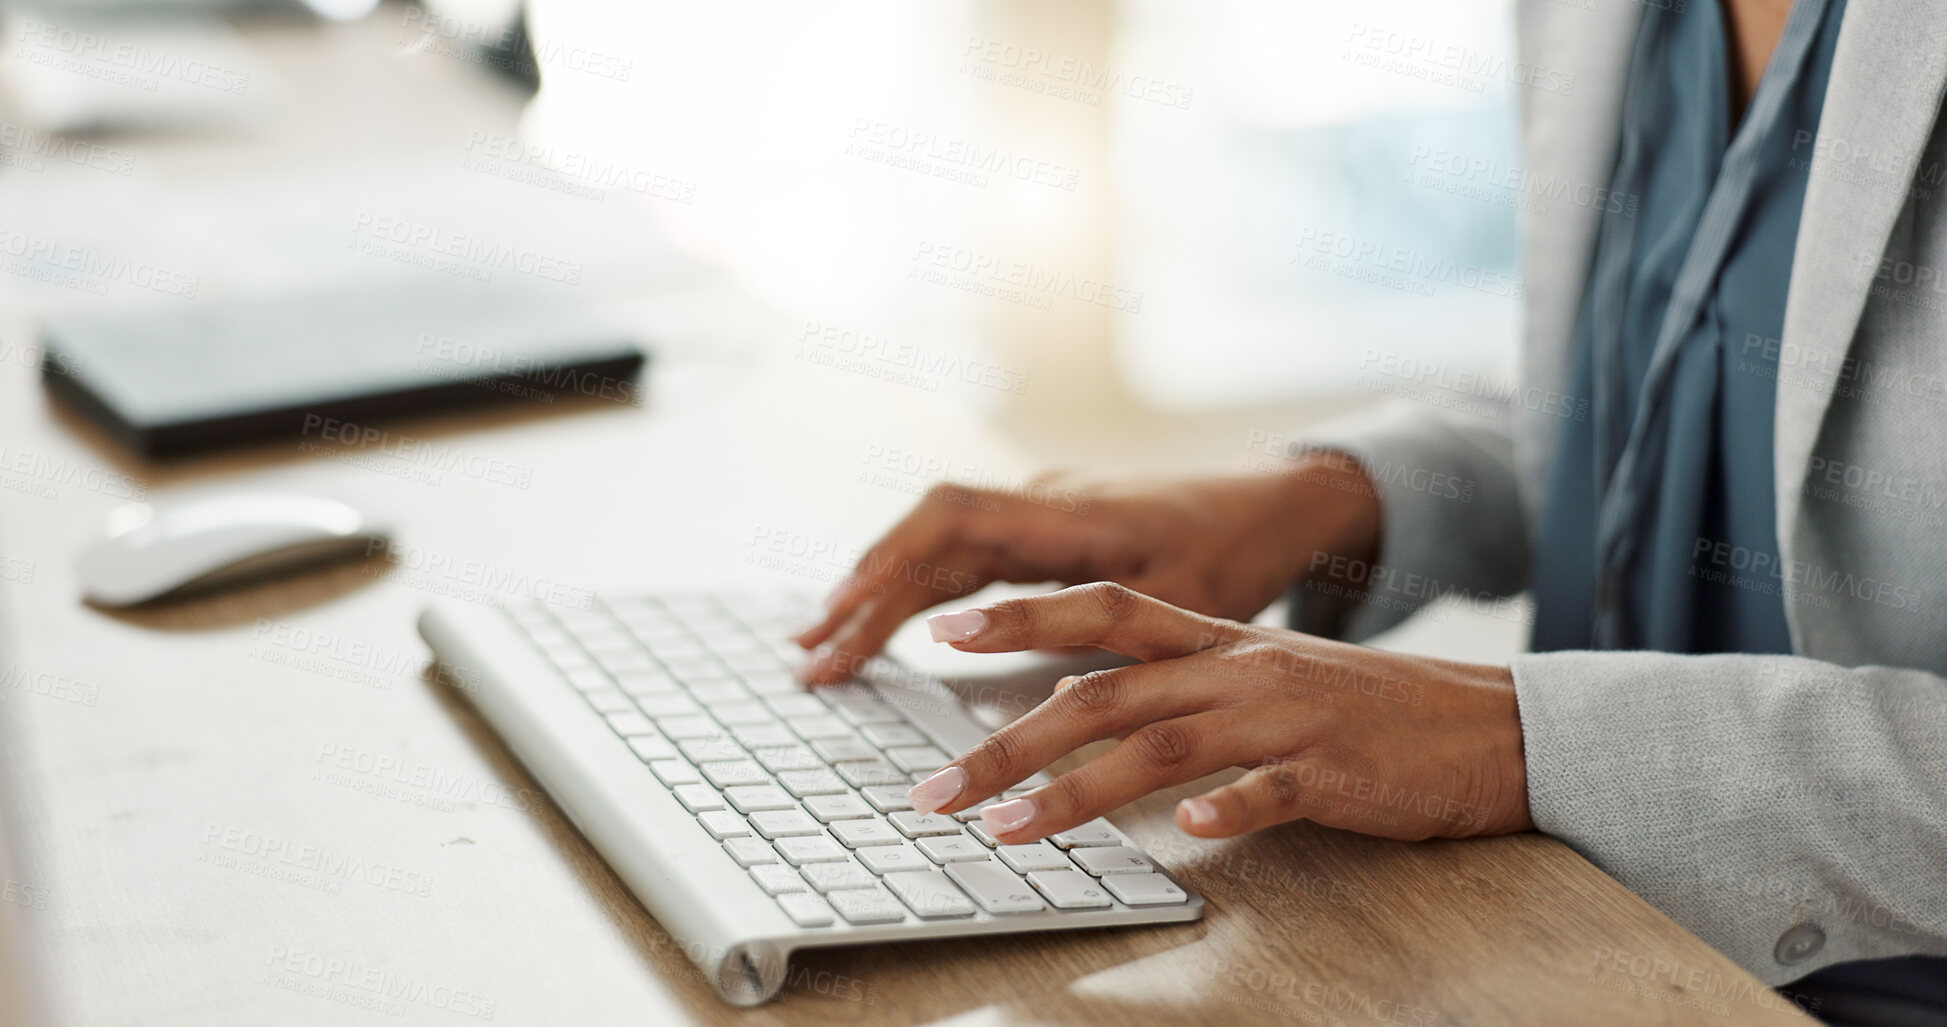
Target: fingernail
x,y
937,791
956,627
1012,815
1199,812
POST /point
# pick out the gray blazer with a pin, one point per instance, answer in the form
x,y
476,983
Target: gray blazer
x,y
1791,811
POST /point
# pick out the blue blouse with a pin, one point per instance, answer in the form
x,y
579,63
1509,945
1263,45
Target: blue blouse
x,y
1659,528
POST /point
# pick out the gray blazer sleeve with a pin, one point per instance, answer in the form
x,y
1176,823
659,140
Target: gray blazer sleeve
x,y
1452,518
1789,812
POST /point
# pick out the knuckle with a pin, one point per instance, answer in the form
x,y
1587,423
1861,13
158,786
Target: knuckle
x,y
1016,616
1167,744
1113,600
1095,695
1071,793
997,756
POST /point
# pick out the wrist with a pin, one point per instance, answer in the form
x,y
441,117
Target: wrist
x,y
1330,495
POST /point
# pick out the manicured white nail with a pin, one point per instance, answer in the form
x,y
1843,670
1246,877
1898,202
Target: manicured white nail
x,y
956,627
1199,812
1012,815
937,791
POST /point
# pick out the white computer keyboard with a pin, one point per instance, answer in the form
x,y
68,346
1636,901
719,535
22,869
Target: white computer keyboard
x,y
800,793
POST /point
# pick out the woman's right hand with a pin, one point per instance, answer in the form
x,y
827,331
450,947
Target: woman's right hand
x,y
1222,546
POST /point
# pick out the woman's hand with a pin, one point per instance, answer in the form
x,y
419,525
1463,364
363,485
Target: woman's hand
x,y
1224,546
1379,743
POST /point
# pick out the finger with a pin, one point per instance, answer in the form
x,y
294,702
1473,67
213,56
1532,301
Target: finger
x,y
1103,614
958,573
1264,797
1104,704
1157,755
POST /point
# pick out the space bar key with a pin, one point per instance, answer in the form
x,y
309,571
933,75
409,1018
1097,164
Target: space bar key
x,y
996,888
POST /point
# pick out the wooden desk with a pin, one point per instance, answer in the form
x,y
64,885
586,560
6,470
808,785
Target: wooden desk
x,y
257,808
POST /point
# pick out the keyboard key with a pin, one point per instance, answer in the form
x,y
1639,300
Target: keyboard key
x,y
1027,859
890,859
842,806
972,813
743,712
1144,889
996,888
763,736
857,834
979,831
806,909
829,877
755,798
1070,889
774,682
749,852
673,705
1113,859
675,772
699,798
784,823
869,775
710,749
799,851
886,798
583,676
630,722
1095,832
724,824
957,849
644,684
844,750
776,878
811,782
863,906
887,736
680,728
917,758
732,773
790,757
916,825
711,693
610,700
795,704
813,728
652,747
930,894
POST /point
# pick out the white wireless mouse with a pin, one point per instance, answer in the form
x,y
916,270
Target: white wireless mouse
x,y
217,538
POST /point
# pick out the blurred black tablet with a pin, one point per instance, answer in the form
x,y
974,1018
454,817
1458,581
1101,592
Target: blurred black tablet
x,y
167,382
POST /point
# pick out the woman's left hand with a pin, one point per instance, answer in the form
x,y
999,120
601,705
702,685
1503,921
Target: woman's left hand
x,y
1369,741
